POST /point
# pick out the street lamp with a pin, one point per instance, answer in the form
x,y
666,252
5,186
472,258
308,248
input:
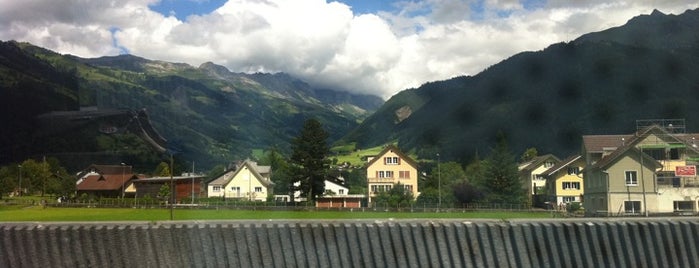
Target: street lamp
x,y
20,180
123,174
439,181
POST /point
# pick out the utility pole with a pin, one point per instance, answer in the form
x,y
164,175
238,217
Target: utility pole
x,y
439,180
20,180
192,182
123,175
172,192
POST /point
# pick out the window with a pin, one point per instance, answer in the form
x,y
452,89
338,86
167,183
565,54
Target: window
x,y
217,188
573,170
408,187
631,178
548,164
571,185
374,188
385,174
235,189
258,189
684,205
341,191
393,160
632,207
675,153
568,199
404,174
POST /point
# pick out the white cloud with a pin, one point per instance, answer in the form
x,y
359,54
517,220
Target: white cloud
x,y
323,42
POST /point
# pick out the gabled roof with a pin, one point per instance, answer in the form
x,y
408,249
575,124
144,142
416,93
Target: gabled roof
x,y
616,155
561,165
227,176
395,150
602,143
107,182
336,182
537,161
107,169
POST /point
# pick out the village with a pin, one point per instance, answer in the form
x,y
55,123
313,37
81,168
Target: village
x,y
649,172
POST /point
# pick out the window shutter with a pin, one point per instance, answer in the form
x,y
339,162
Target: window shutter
x,y
377,174
398,162
385,160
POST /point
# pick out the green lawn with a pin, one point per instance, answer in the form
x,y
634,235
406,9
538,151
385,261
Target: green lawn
x,y
36,213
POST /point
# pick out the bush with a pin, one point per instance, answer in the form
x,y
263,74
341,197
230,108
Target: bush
x,y
573,207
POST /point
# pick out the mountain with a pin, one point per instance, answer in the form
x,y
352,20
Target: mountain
x,y
205,114
600,83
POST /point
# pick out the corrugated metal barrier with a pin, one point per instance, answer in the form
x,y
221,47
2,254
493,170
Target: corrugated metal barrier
x,y
667,242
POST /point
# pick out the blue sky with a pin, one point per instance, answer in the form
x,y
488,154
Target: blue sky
x,y
184,8
351,47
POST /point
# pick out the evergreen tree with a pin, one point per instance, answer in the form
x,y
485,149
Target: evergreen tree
x,y
501,175
308,163
162,170
280,169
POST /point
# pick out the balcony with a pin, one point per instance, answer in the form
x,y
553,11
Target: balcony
x,y
678,182
381,180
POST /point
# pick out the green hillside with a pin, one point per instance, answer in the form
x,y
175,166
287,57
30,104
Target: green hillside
x,y
209,114
598,84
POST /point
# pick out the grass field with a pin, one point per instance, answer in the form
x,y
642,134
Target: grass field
x,y
37,213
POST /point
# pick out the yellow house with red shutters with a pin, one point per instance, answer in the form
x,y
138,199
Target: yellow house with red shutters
x,y
388,168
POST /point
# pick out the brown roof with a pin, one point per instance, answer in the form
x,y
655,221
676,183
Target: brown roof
x,y
598,143
397,151
106,182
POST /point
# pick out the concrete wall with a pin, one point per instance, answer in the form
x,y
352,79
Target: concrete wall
x,y
668,242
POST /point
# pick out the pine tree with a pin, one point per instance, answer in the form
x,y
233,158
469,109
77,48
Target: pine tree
x,y
309,165
501,175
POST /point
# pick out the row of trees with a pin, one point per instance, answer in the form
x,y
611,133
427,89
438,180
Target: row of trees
x,y
44,177
494,179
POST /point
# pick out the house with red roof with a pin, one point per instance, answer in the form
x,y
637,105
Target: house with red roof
x,y
105,180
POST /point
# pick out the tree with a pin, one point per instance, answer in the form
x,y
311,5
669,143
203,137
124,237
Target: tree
x,y
465,192
398,196
529,154
309,165
162,170
474,171
280,169
447,174
502,182
164,191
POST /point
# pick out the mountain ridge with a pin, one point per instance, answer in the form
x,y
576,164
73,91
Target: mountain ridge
x,y
213,119
597,84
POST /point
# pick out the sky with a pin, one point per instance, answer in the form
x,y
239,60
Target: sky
x,y
362,46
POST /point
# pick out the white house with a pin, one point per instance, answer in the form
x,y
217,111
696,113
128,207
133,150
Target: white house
x,y
247,181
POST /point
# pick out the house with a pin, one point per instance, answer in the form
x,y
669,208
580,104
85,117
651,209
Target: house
x,y
105,181
246,180
530,173
652,171
564,181
388,168
186,187
336,195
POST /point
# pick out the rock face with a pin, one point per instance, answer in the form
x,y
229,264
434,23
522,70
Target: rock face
x,y
401,243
